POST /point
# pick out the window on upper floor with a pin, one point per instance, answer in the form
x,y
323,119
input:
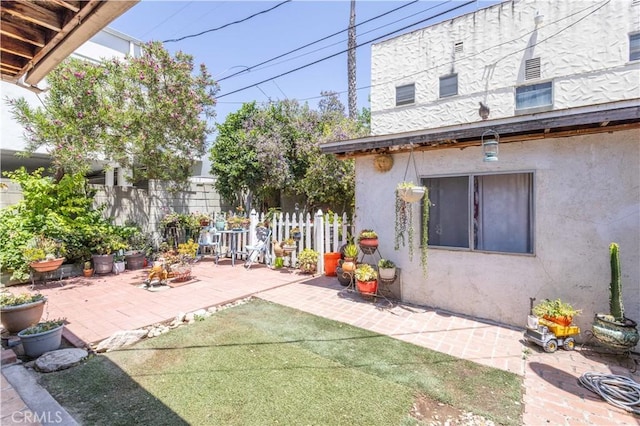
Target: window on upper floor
x,y
405,94
534,97
448,85
482,212
634,47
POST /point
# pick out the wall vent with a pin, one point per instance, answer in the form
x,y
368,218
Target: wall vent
x,y
459,46
532,68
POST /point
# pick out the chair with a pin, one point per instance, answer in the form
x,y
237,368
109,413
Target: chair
x,y
209,240
261,246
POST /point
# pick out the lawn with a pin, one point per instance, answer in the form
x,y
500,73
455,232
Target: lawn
x,y
262,363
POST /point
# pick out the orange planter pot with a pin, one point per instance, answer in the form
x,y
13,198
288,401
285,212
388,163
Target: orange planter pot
x,y
368,245
47,265
367,287
348,265
564,321
330,263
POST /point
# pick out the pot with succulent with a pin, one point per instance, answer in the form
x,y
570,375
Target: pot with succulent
x,y
103,246
350,255
288,245
181,264
614,329
44,254
386,269
42,337
308,261
140,246
118,262
368,241
366,279
296,234
19,311
556,311
87,271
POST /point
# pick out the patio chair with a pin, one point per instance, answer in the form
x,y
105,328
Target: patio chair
x,y
209,241
261,246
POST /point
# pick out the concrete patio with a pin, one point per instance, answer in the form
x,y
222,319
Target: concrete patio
x,y
97,307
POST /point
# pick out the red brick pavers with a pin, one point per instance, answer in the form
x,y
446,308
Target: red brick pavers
x,y
97,307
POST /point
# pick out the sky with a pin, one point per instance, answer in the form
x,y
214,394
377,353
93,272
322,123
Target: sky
x,y
286,27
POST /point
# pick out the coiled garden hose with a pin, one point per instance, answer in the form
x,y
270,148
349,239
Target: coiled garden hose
x,y
620,391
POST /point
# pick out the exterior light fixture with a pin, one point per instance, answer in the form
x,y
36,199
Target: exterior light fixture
x,y
490,140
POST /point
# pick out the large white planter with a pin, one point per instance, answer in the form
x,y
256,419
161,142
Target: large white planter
x,y
411,195
387,273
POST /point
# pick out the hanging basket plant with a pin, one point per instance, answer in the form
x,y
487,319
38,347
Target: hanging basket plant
x,y
404,229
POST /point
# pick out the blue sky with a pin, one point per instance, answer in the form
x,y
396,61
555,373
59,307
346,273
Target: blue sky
x,y
265,36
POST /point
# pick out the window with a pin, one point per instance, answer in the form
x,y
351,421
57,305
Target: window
x,y
449,85
634,47
482,212
405,94
535,96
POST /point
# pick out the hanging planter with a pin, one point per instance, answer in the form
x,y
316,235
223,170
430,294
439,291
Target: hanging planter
x,y
407,193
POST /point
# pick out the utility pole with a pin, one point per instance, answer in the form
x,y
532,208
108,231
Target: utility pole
x,y
351,63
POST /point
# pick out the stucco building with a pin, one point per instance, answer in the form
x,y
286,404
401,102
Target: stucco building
x,y
559,84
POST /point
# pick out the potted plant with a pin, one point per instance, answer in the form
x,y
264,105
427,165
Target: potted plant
x,y
556,311
368,241
350,254
87,271
296,234
404,223
140,246
614,329
202,218
221,222
238,222
366,279
118,262
288,245
19,311
44,254
386,269
409,192
308,261
42,337
180,264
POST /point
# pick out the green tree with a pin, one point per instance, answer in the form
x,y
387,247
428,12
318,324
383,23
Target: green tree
x,y
148,114
275,149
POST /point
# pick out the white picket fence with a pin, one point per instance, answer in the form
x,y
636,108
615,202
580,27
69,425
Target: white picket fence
x,y
323,232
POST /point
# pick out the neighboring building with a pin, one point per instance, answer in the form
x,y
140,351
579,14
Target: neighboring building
x,y
560,82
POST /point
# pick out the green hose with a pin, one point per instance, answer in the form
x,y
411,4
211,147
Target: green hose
x,y
620,391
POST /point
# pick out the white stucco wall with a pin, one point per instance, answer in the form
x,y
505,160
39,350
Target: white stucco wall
x,y
587,194
585,56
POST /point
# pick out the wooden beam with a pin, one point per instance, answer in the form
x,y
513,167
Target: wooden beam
x,y
73,6
93,17
503,140
31,12
14,47
13,62
24,32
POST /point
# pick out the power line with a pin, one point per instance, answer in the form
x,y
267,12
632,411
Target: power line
x,y
226,25
343,51
316,41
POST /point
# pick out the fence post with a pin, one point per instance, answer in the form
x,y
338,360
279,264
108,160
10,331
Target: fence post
x,y
318,226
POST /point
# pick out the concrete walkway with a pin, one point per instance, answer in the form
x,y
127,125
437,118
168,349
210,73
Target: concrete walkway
x,y
97,307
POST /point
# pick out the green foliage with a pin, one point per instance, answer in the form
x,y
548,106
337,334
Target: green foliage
x,y
365,272
262,151
43,326
147,114
61,211
8,299
554,308
616,308
308,260
367,234
43,248
386,263
351,250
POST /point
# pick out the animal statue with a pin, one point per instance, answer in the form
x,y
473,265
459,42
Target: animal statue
x,y
158,273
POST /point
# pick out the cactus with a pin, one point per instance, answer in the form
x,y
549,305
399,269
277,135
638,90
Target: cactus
x,y
616,309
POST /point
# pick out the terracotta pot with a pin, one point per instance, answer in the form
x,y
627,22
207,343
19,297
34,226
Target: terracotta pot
x,y
330,263
349,264
368,245
47,265
367,287
17,318
87,272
